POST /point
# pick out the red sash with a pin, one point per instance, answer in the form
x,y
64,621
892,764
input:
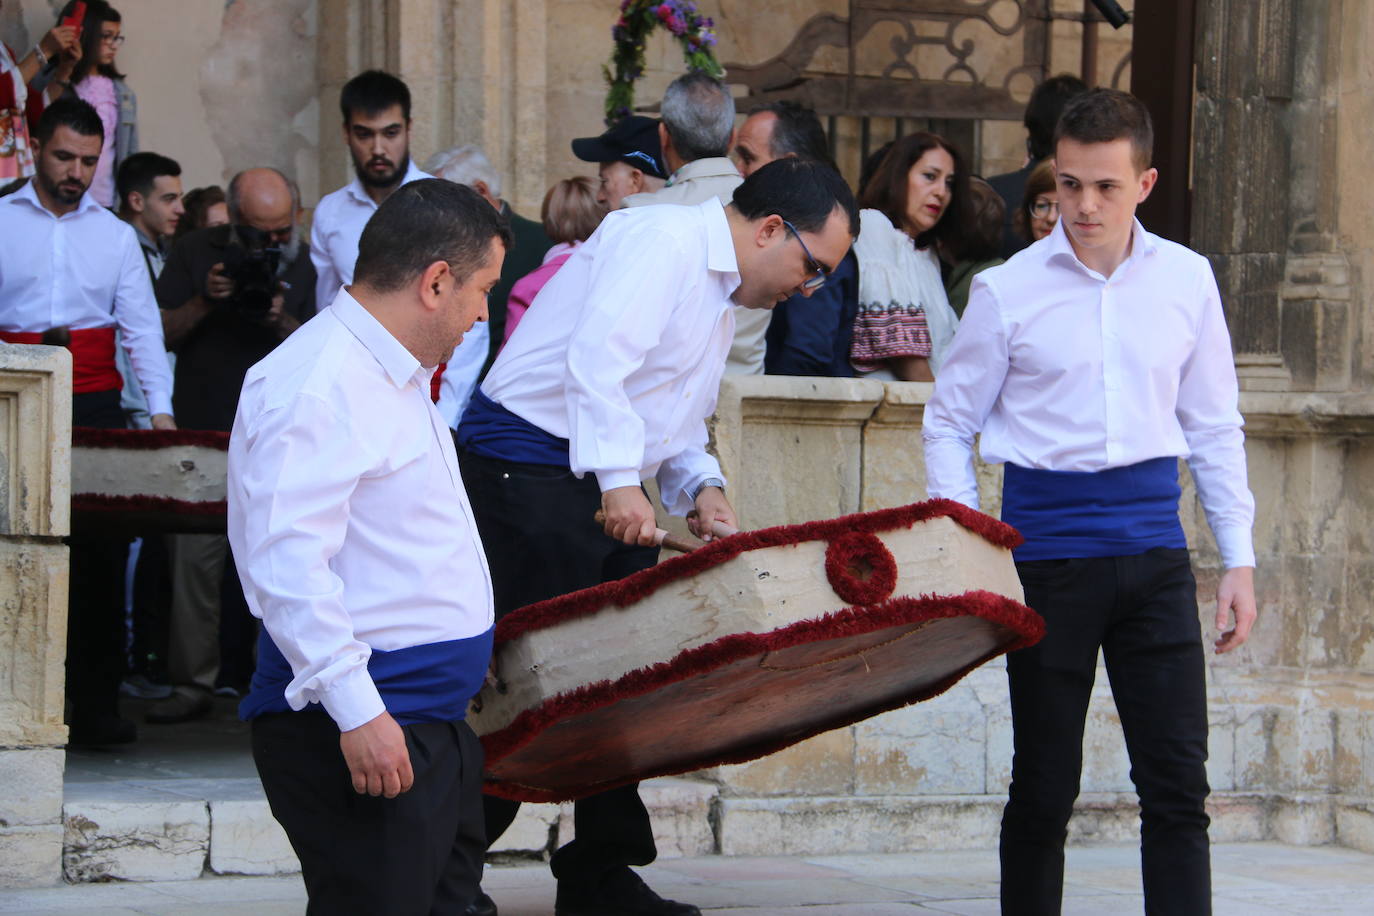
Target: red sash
x,y
93,357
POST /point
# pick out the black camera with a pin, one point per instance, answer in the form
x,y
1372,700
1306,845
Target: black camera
x,y
253,268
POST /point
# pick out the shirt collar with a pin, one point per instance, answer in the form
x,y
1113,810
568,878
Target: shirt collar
x,y
398,362
359,193
146,242
28,194
720,245
1060,249
713,167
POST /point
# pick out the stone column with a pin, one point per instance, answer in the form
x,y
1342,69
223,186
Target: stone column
x,y
35,474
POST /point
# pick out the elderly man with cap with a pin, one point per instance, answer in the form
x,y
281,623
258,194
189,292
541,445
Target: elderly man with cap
x,y
630,159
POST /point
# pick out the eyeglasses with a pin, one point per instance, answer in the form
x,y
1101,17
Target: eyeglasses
x,y
819,272
115,40
1043,208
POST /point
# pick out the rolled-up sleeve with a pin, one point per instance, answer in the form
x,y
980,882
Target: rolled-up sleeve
x,y
292,472
966,389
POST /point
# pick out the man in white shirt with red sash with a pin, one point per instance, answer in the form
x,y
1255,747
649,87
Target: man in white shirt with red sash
x,y
1090,363
71,273
356,546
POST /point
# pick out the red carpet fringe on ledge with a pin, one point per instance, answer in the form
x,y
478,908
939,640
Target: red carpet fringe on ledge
x,y
87,437
629,590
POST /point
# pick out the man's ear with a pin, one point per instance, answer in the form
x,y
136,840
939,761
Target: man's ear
x,y
136,202
434,284
1147,183
665,142
768,229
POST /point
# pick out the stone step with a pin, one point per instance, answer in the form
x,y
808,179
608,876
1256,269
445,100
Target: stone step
x,y
180,829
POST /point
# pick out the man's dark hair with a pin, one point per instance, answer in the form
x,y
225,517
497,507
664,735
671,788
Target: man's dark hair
x,y
72,113
1104,115
373,92
1042,111
138,173
422,222
796,132
801,191
887,189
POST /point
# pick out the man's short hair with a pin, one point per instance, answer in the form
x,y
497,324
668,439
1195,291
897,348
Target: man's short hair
x,y
373,92
699,114
1104,115
1046,103
796,132
138,173
465,164
74,114
233,198
422,222
802,191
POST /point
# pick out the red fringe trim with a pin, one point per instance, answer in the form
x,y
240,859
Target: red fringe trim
x,y
633,588
98,502
1018,618
147,439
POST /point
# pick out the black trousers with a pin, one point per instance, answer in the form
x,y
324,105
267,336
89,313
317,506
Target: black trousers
x,y
95,605
1141,611
418,854
536,525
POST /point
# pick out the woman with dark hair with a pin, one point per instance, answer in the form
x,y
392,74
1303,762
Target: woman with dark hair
x,y
1040,206
94,79
916,199
979,249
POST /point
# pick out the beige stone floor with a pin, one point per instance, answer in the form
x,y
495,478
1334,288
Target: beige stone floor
x,y
1251,879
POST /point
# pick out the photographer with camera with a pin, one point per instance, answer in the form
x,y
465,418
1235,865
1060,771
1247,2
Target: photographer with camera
x,y
229,294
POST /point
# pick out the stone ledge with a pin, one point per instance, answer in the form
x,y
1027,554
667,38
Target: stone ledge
x,y
121,832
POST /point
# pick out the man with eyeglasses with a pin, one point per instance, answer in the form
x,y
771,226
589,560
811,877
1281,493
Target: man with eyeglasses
x,y
229,294
609,382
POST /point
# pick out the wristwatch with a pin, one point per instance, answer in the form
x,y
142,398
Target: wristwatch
x,y
708,482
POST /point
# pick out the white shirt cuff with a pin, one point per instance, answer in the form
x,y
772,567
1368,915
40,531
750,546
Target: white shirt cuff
x,y
1236,546
352,700
609,480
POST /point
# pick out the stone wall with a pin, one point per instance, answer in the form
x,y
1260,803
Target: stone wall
x,y
35,454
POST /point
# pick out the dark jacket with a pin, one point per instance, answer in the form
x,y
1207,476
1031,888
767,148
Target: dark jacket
x,y
811,335
1011,187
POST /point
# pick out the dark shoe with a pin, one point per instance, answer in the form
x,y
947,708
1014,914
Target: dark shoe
x,y
101,730
621,893
142,687
482,906
185,704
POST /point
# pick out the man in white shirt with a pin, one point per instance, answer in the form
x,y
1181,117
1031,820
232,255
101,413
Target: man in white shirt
x,y
356,546
1090,363
696,133
610,381
71,274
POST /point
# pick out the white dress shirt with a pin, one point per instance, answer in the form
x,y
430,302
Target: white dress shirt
x,y
335,230
347,514
621,352
83,270
690,185
1063,369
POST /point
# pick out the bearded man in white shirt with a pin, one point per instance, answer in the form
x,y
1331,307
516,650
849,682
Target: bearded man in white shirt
x,y
355,543
1091,362
72,274
610,381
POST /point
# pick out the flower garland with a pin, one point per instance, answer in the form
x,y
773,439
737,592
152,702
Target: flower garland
x,y
637,19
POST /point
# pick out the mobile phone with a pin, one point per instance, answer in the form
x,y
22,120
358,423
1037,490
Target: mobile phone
x,y
77,17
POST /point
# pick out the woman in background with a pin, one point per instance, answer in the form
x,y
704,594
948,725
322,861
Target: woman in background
x,y
205,207
917,198
1040,205
94,79
570,215
980,249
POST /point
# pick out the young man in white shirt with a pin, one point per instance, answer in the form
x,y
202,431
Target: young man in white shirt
x,y
72,274
1090,363
610,381
356,546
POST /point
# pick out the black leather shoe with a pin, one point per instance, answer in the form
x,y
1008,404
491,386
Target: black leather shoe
x,y
621,893
482,906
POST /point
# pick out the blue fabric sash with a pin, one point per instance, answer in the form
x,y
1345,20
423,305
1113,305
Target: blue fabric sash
x,y
492,431
425,683
1113,513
